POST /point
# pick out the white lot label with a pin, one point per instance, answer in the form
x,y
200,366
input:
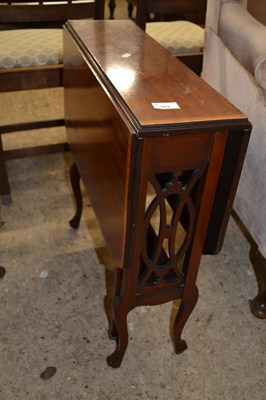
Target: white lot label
x,y
166,106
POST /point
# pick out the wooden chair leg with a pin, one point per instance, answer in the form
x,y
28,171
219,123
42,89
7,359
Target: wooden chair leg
x,y
258,304
130,10
4,182
112,5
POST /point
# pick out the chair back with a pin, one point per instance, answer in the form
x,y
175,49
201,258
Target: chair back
x,y
52,13
188,10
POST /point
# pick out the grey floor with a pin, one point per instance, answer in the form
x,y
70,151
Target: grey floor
x,y
52,300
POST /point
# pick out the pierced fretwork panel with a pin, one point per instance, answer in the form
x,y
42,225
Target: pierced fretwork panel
x,y
170,217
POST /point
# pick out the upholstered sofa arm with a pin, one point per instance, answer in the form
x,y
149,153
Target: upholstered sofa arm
x,y
245,37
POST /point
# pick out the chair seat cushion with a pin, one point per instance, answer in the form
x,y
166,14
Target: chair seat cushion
x,y
177,36
29,47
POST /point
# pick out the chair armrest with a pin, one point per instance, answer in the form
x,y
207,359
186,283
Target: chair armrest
x,y
245,37
213,12
212,15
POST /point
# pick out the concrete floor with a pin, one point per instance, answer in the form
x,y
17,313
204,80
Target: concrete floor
x,y
52,301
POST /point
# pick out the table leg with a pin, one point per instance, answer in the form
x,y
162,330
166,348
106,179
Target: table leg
x,y
187,305
75,183
118,322
258,304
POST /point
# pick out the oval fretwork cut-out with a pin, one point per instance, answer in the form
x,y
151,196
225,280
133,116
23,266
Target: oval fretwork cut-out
x,y
169,223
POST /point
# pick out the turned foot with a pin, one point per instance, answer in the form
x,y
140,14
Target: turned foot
x,y
258,304
180,346
119,333
75,183
114,360
258,307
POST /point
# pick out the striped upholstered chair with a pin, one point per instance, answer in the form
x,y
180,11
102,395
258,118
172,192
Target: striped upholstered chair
x,y
31,58
178,26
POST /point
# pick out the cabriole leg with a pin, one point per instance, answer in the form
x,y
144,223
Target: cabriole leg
x,y
186,307
119,328
258,304
75,183
118,321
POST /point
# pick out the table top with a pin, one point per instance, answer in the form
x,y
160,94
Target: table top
x,y
139,72
127,72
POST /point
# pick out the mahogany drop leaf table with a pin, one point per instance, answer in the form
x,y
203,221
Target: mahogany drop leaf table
x,y
160,154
